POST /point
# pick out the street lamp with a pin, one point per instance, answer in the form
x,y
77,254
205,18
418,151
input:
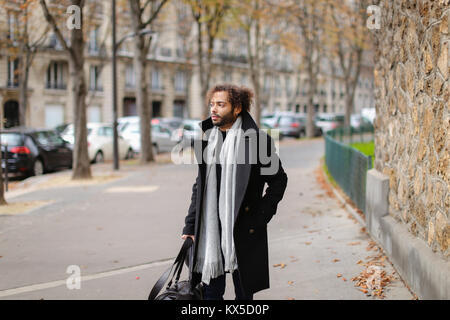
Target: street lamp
x,y
115,47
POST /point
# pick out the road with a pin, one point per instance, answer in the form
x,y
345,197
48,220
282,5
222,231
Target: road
x,y
124,233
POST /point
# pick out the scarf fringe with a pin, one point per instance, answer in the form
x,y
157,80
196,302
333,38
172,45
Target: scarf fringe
x,y
210,271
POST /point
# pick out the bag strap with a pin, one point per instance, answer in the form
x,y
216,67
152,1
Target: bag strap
x,y
178,261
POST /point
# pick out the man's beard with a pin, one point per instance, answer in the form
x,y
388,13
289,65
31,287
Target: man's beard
x,y
226,119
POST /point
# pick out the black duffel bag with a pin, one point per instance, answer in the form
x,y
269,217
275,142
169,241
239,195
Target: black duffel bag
x,y
179,290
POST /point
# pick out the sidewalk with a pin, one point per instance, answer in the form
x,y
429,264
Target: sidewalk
x,y
317,249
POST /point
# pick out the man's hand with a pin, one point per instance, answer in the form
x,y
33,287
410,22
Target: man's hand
x,y
184,236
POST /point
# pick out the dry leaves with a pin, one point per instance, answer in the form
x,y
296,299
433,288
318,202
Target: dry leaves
x,y
373,279
336,260
281,265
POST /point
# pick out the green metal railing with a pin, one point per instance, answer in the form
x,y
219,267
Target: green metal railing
x,y
348,166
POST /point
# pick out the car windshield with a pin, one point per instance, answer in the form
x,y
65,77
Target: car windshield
x,y
330,118
285,121
11,139
48,137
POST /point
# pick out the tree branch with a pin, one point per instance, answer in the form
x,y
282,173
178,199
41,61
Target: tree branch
x,y
51,21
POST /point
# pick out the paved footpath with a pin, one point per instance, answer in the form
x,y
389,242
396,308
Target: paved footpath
x,y
123,236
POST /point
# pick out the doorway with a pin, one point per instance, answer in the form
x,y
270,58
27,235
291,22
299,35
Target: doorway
x,y
11,114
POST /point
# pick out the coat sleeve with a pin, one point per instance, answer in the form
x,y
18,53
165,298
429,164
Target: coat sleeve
x,y
276,180
189,221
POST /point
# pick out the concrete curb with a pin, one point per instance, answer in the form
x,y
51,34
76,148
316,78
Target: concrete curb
x,y
426,273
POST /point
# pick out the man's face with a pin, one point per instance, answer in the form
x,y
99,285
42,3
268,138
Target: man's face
x,y
221,110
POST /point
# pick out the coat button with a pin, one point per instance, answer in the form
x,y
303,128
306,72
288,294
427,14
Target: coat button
x,y
251,231
247,209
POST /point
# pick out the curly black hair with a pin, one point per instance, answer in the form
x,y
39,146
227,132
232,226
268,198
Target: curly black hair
x,y
237,96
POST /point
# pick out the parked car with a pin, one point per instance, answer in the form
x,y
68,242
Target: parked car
x,y
100,142
287,122
357,121
303,123
289,125
161,136
172,123
187,132
60,129
34,151
329,121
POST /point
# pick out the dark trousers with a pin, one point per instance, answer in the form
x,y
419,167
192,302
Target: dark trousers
x,y
216,288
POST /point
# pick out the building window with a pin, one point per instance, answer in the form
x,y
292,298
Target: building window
x,y
180,81
13,73
244,79
12,26
93,41
95,83
277,86
179,109
54,115
157,83
130,79
266,83
94,114
288,86
55,76
227,76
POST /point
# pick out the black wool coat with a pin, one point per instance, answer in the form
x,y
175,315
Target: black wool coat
x,y
253,210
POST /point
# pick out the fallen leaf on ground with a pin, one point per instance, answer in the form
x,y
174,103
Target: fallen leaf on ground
x,y
336,260
339,275
290,282
353,243
307,243
282,265
291,298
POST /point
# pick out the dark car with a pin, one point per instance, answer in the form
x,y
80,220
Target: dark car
x,y
34,151
303,123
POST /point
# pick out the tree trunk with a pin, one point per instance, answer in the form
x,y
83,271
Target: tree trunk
x,y
253,56
24,68
2,189
144,111
81,161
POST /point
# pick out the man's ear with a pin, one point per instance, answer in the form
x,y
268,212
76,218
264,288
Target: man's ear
x,y
237,111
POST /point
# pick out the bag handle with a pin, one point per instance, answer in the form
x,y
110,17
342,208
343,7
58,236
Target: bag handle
x,y
178,261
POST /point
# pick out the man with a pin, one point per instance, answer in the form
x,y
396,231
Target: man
x,y
228,215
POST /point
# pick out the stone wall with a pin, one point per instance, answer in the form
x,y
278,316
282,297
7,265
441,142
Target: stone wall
x,y
412,127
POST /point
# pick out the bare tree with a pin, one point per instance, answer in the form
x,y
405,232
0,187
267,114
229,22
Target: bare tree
x,y
308,18
250,15
143,14
209,17
75,49
347,41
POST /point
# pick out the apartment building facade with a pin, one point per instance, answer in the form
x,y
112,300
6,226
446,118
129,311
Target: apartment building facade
x,y
172,73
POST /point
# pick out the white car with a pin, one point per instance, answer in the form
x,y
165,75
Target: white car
x,y
188,132
161,136
100,142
